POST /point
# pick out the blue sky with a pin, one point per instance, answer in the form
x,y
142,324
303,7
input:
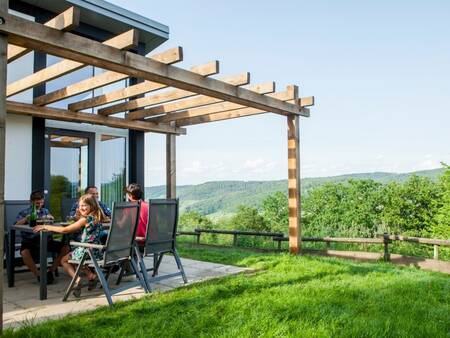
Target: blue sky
x,y
379,70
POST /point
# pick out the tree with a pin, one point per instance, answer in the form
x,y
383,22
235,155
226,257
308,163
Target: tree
x,y
193,219
441,222
343,209
248,218
275,211
409,208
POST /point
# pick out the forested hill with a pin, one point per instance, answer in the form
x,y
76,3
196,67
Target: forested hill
x,y
220,198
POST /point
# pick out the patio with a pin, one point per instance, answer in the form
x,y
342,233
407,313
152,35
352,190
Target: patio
x,y
22,305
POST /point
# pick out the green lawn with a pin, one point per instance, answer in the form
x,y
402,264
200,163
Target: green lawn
x,y
285,296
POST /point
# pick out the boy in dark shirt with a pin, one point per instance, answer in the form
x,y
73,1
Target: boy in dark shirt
x,y
30,241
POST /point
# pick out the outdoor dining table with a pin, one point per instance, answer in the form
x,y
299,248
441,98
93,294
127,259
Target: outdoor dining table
x,y
42,255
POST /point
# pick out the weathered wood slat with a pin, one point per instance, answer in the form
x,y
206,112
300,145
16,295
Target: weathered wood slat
x,y
207,69
288,95
236,80
222,106
67,115
32,35
66,21
420,240
125,40
168,96
170,56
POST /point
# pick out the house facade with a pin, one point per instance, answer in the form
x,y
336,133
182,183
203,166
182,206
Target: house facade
x,y
59,157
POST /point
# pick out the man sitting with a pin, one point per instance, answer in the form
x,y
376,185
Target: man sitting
x,y
31,242
92,190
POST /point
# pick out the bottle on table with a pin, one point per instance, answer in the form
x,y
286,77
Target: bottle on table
x,y
33,215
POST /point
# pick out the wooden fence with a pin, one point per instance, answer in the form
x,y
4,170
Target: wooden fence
x,y
384,239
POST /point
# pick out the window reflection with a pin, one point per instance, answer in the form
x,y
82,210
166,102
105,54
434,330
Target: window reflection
x,y
113,180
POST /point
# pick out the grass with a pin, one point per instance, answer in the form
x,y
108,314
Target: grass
x,y
285,296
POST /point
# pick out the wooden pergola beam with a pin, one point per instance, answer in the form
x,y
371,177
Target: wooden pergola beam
x,y
207,69
29,34
287,95
194,102
264,88
67,115
125,40
170,56
294,191
66,21
3,72
174,95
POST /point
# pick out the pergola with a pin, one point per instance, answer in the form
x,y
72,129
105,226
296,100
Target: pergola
x,y
179,97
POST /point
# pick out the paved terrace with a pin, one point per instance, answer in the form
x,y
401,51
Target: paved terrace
x,y
21,304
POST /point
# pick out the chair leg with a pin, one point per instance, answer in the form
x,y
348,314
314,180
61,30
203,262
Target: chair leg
x,y
119,278
72,282
180,266
101,276
158,263
143,268
140,277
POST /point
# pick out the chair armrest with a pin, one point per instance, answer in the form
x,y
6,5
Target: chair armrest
x,y
87,245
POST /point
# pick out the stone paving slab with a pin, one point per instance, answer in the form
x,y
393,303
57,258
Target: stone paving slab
x,y
21,303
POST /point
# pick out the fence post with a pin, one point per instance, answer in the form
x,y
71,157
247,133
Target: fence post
x,y
198,235
234,239
328,245
436,251
387,256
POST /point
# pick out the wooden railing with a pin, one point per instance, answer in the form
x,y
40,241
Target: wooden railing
x,y
384,239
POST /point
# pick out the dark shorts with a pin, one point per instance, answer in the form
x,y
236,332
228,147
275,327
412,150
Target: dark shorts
x,y
33,246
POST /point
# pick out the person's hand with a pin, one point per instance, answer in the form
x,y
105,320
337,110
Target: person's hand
x,y
39,228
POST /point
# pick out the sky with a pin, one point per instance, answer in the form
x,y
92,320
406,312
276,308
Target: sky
x,y
379,71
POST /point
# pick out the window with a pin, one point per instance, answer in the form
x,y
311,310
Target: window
x,y
113,179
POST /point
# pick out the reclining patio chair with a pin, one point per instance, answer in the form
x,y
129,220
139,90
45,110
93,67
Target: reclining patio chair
x,y
118,249
160,239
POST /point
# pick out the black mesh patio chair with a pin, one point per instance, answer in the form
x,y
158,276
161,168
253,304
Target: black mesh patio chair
x,y
160,239
12,209
117,251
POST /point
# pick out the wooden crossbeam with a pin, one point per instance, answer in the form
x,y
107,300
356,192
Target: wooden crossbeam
x,y
66,21
177,94
29,34
288,95
67,115
264,88
170,56
194,102
125,40
207,69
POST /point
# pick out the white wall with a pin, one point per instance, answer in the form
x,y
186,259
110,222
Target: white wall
x,y
18,157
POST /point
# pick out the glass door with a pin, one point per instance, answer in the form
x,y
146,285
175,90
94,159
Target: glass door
x,y
70,169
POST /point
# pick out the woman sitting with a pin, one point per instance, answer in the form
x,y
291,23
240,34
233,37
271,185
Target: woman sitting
x,y
90,223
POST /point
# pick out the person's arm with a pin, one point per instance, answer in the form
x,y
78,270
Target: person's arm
x,y
74,227
106,210
22,218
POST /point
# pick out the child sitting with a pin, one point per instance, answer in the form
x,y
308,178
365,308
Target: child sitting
x,y
90,223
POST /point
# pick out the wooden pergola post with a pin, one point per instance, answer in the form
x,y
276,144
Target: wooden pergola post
x,y
171,162
295,241
3,68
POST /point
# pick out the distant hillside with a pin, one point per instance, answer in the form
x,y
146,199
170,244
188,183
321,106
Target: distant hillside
x,y
221,198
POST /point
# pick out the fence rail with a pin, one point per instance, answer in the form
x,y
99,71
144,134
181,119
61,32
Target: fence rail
x,y
384,239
